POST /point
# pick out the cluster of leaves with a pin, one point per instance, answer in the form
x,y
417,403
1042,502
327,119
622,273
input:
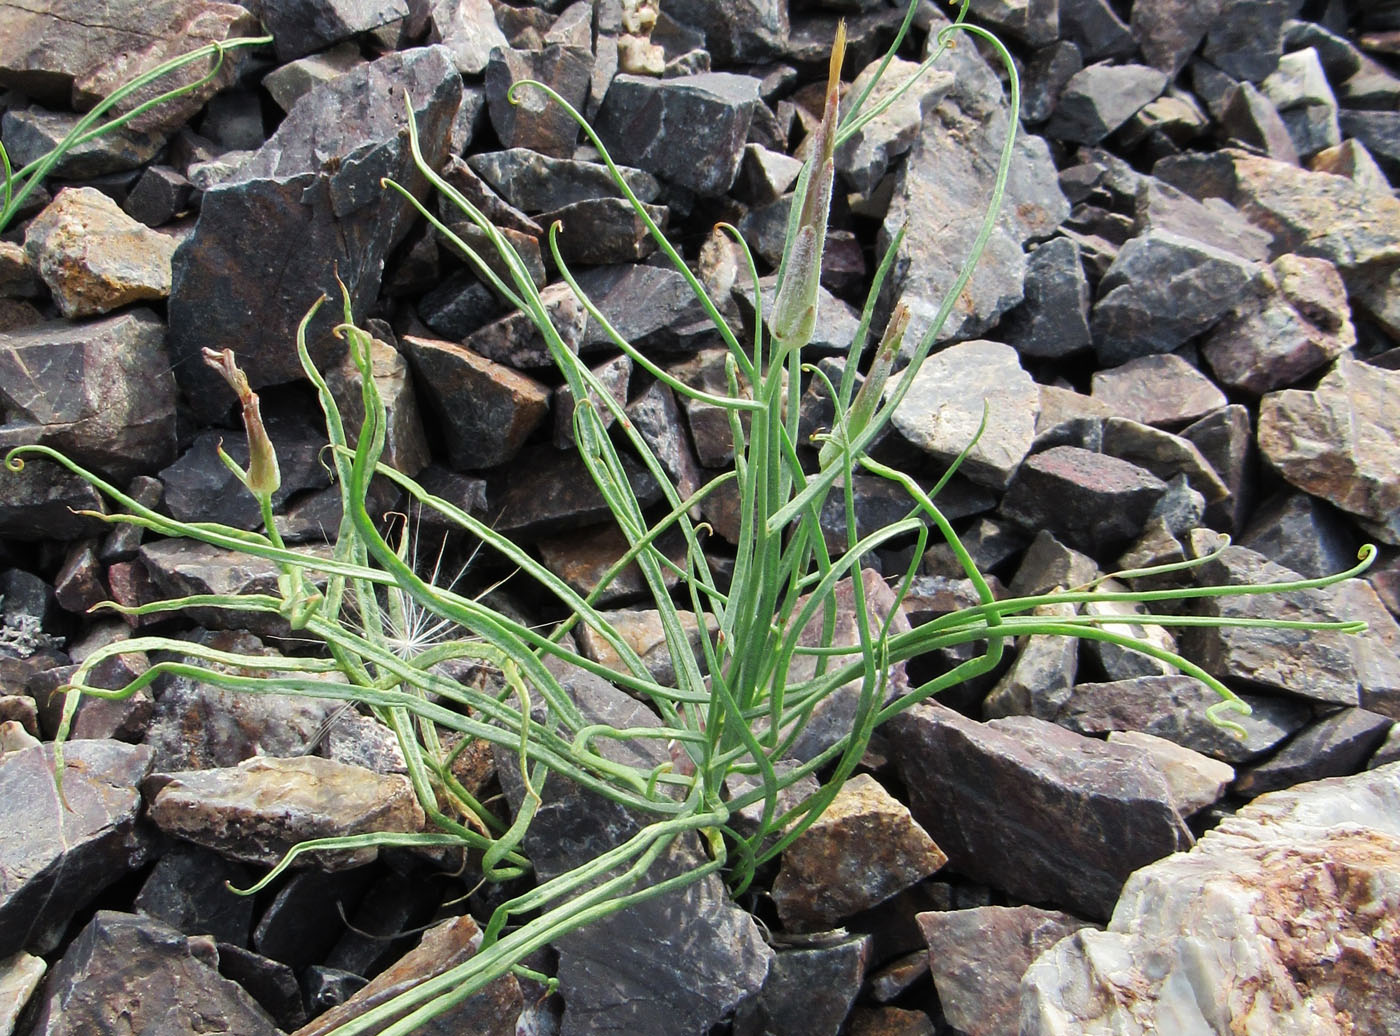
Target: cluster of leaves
x,y
754,649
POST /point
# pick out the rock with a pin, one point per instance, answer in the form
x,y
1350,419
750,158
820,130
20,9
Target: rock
x,y
1174,708
299,29
20,975
764,175
515,341
1316,665
1161,291
1266,898
947,401
1165,455
1031,808
657,420
469,29
550,491
653,307
405,442
1049,70
491,1012
642,631
1196,781
615,376
1300,532
234,286
98,391
188,890
865,157
1161,390
308,914
1273,341
1031,21
889,1021
1298,88
73,848
599,231
1226,440
1053,320
1338,442
260,809
807,991
1168,32
59,56
533,120
1116,661
1100,98
1335,746
1215,222
1246,41
33,133
625,973
1251,121
1042,675
288,82
1376,653
978,955
458,304
863,849
95,258
1095,28
508,405
125,972
1095,503
750,32
533,182
1379,131
158,197
582,558
45,501
1351,159
640,116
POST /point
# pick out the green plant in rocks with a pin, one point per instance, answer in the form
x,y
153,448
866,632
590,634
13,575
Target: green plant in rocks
x,y
21,183
754,647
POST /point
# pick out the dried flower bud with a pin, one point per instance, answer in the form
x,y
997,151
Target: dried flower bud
x,y
863,406
263,477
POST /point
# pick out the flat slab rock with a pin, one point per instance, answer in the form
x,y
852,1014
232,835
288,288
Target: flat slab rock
x,y
1287,907
260,809
1031,808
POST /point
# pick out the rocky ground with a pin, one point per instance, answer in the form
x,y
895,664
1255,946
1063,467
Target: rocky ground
x,y
1185,323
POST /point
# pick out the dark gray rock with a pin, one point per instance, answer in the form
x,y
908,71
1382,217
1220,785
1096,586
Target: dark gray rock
x,y
1163,454
1033,809
99,391
1246,41
300,28
1035,22
764,175
1300,532
808,992
159,196
74,847
260,809
1339,442
315,186
1053,320
1169,31
1174,707
978,956
1161,291
689,130
1376,652
864,159
1100,98
405,442
653,307
458,305
658,421
506,405
1048,563
307,915
1091,501
515,341
1250,120
534,182
137,974
736,33
626,973
601,231
1041,677
549,491
288,82
534,121
1300,91
1046,75
1226,440
1161,390
1095,28
325,987
1335,746
1275,339
44,501
1315,665
1379,131
187,889
469,29
945,405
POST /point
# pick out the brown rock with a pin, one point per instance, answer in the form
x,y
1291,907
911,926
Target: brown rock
x,y
862,850
260,809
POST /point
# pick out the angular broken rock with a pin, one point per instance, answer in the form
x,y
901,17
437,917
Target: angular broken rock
x,y
1335,746
130,973
528,118
863,849
945,406
1100,98
978,956
1031,808
99,391
864,159
469,29
533,182
71,848
1286,906
94,257
260,809
300,28
271,239
1196,781
1341,442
